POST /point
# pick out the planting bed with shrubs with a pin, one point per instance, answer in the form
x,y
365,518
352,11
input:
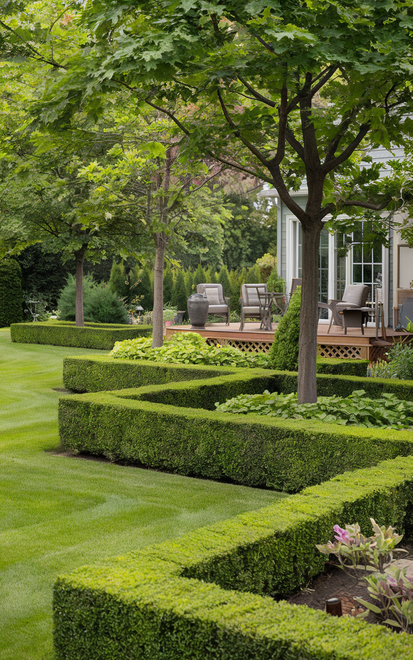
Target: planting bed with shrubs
x,y
173,425
184,598
211,593
64,333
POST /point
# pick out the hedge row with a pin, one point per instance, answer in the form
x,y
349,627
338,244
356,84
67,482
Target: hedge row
x,y
61,333
182,599
102,373
342,367
161,426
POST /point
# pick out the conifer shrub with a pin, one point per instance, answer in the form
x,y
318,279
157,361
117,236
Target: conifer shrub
x,y
284,351
145,290
168,285
199,276
179,297
100,304
11,295
224,280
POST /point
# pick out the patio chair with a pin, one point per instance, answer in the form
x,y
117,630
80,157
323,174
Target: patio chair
x,y
354,297
218,304
250,302
406,315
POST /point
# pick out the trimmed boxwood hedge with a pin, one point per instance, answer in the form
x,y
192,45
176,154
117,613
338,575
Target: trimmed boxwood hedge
x,y
65,333
100,373
342,367
162,426
183,599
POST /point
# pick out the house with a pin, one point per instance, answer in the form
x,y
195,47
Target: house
x,y
390,270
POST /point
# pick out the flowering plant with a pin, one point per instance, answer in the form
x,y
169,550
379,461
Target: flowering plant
x,y
352,548
394,592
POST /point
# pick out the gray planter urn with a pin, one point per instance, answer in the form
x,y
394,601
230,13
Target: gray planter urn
x,y
198,310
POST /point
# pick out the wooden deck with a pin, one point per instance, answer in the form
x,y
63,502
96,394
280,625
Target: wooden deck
x,y
330,344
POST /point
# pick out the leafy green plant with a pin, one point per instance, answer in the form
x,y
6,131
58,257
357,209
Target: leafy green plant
x,y
284,351
356,409
399,365
187,348
100,304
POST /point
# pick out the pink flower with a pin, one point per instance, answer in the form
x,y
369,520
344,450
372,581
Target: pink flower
x,y
341,535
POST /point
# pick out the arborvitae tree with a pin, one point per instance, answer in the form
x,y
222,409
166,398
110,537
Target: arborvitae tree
x,y
211,275
117,279
179,297
189,283
168,285
235,291
11,294
199,276
224,280
253,275
284,351
124,280
145,290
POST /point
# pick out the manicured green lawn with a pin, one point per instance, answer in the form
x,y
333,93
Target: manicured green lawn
x,y
57,512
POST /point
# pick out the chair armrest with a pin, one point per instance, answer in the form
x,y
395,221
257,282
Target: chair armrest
x,y
324,305
227,299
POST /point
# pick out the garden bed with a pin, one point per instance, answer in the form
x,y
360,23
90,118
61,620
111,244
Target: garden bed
x,y
211,593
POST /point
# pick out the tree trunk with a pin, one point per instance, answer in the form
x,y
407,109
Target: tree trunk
x,y
307,381
158,291
80,258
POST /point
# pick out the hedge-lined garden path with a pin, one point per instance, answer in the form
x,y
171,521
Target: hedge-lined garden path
x,y
58,513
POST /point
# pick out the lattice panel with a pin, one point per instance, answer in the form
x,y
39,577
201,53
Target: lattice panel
x,y
246,346
348,352
378,353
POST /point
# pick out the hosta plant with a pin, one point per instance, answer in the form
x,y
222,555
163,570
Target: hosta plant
x,y
356,409
187,348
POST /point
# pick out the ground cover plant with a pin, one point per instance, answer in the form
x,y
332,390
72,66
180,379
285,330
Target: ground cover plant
x,y
187,348
59,513
399,363
356,409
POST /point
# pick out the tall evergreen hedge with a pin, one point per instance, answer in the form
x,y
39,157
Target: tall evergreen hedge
x,y
284,351
11,294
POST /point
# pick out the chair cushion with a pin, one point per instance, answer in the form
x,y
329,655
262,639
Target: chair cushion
x,y
353,294
217,309
252,294
251,310
212,293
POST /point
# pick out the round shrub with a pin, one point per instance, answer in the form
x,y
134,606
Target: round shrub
x,y
100,304
284,351
11,294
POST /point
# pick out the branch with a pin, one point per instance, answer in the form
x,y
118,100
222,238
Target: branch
x,y
238,133
294,143
282,128
30,47
335,162
365,205
257,95
285,196
330,72
333,146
